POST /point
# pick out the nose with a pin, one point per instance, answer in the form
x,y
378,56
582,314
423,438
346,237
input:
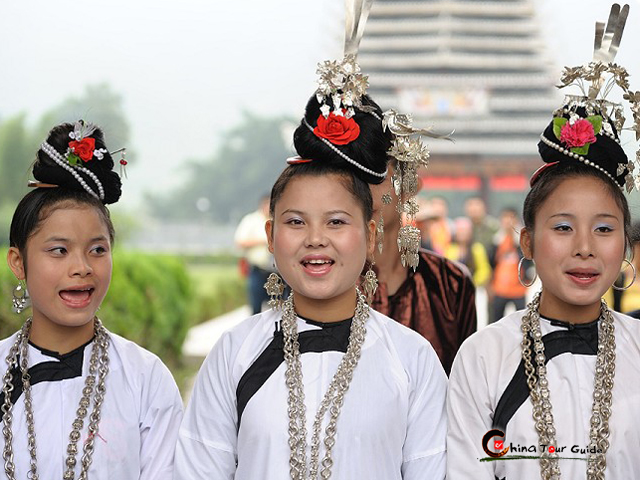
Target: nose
x,y
316,236
583,244
79,265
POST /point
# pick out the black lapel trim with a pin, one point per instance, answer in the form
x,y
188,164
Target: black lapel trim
x,y
333,338
68,366
580,340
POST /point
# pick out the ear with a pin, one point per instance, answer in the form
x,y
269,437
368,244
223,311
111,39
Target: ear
x,y
371,238
268,228
16,263
526,243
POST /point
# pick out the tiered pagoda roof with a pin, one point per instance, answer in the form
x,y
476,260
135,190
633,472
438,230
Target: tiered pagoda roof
x,y
477,67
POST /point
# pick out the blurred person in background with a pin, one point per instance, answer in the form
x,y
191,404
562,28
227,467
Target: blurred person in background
x,y
504,258
484,226
465,250
424,218
437,299
440,227
250,237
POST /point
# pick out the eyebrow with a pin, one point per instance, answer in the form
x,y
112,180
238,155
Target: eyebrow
x,y
66,240
332,212
57,239
599,215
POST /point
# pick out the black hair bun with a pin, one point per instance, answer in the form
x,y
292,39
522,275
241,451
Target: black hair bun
x,y
46,170
369,149
605,153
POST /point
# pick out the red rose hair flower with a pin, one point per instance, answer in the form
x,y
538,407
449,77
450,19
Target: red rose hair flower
x,y
578,134
338,129
84,148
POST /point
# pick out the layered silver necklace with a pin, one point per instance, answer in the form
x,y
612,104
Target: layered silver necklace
x,y
540,398
332,401
94,387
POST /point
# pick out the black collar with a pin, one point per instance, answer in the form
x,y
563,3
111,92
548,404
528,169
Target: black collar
x,y
67,365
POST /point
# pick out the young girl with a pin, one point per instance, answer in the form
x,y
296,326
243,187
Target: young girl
x,y
324,386
77,401
557,383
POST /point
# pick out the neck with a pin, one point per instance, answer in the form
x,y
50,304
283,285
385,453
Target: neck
x,y
389,266
59,338
569,313
327,310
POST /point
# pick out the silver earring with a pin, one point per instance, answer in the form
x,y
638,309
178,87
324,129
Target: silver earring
x,y
622,289
20,297
526,285
370,283
275,289
386,200
380,233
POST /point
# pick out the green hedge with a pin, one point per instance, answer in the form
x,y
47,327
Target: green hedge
x,y
219,288
150,301
9,321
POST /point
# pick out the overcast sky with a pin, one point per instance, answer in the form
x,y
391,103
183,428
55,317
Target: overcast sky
x,y
187,69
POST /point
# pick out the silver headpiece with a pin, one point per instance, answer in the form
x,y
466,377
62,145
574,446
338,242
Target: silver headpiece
x,y
585,118
410,154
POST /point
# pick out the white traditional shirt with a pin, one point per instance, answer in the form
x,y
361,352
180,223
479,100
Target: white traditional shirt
x,y
392,424
139,419
488,390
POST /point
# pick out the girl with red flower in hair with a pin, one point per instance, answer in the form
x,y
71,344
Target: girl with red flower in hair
x,y
77,400
321,385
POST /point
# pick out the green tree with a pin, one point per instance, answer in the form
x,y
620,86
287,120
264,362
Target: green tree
x,y
233,180
98,104
17,151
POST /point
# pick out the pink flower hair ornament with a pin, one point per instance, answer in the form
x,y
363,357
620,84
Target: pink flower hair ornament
x,y
577,133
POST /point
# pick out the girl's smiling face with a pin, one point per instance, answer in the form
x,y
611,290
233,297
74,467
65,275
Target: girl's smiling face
x,y
67,266
578,246
320,241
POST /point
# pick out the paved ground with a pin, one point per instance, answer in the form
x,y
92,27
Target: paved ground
x,y
203,337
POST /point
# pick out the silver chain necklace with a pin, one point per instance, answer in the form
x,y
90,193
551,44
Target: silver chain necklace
x,y
332,401
539,392
98,366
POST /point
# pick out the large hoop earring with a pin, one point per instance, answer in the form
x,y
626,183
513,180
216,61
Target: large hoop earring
x,y
526,285
622,289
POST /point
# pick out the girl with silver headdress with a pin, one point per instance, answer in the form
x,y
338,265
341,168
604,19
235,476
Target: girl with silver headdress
x,y
549,391
77,401
323,387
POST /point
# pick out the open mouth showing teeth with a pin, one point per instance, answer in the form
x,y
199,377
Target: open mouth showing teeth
x,y
317,262
584,276
76,296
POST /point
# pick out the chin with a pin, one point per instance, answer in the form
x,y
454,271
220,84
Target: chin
x,y
73,320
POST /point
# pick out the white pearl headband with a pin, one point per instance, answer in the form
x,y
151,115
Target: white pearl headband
x,y
578,157
62,162
345,156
